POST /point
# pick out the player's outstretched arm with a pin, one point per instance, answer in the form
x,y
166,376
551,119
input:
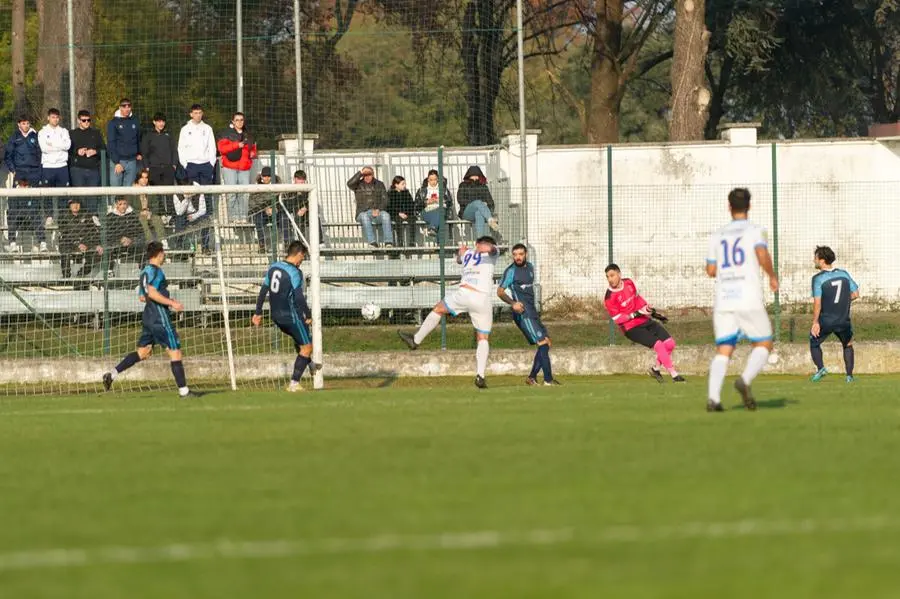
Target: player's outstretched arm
x,y
256,319
817,311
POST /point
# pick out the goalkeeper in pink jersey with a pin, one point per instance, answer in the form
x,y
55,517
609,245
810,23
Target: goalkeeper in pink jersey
x,y
635,318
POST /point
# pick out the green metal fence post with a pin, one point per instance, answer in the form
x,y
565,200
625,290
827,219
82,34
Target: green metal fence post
x,y
775,238
276,336
609,227
440,236
104,259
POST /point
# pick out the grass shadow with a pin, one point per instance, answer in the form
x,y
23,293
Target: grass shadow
x,y
770,404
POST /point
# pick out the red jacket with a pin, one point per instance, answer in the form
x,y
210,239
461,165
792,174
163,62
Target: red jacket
x,y
233,156
623,304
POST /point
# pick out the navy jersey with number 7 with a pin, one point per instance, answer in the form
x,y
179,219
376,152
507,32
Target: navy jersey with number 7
x,y
283,284
834,287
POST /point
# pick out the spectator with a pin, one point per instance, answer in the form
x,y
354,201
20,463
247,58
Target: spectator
x,y
55,143
84,158
197,149
160,152
475,202
298,205
263,214
191,213
371,205
428,201
123,231
123,142
79,238
150,208
23,161
238,152
402,209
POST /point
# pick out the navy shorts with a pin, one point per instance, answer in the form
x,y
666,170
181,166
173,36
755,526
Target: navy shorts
x,y
533,329
298,331
160,333
844,333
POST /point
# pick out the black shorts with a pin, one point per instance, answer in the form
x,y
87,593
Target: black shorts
x,y
298,331
161,333
843,331
648,334
533,329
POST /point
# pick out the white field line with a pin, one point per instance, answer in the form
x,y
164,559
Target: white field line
x,y
463,541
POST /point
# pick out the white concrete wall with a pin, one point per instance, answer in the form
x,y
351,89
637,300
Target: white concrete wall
x,y
668,199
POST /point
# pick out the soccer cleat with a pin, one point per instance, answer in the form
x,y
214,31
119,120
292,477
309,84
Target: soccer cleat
x,y
191,395
819,375
678,379
552,383
107,381
656,374
530,382
294,388
850,378
712,406
746,395
480,382
314,368
408,339
494,224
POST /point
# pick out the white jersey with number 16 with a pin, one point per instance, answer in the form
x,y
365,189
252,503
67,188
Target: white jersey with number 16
x,y
478,269
733,250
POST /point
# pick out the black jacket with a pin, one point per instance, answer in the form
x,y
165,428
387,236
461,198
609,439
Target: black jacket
x,y
89,138
369,196
401,201
295,201
77,229
422,197
470,190
124,225
159,149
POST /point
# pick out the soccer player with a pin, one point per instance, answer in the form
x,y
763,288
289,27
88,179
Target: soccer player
x,y
832,289
473,296
632,313
517,289
290,312
157,325
736,254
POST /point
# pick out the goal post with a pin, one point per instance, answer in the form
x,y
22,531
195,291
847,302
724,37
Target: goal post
x,y
62,332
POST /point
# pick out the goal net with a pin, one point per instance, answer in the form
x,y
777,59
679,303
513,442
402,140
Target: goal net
x,y
70,268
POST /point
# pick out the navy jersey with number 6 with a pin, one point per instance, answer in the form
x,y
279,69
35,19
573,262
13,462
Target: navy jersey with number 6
x,y
153,276
284,285
834,287
519,281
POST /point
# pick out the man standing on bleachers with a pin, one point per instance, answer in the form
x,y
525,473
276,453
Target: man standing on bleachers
x,y
160,152
23,161
84,157
55,143
79,238
371,205
123,141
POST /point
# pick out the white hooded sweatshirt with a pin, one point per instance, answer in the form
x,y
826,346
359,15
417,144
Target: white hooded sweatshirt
x,y
196,144
55,144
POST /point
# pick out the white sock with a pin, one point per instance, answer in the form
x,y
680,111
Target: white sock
x,y
481,357
717,371
431,321
113,374
755,363
182,391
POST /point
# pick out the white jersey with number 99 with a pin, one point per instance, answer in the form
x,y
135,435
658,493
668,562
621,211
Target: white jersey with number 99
x,y
478,269
733,250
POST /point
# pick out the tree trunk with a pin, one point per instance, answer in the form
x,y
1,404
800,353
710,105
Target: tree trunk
x,y
20,99
52,64
471,71
606,83
83,16
690,96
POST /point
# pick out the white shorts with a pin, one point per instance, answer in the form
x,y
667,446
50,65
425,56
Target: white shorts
x,y
753,325
476,303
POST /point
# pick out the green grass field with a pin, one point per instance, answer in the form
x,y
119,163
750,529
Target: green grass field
x,y
605,487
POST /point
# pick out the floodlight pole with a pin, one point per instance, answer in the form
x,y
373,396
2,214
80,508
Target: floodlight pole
x,y
239,58
70,25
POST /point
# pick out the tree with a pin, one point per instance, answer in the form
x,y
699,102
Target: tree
x,y
52,65
20,99
83,21
690,96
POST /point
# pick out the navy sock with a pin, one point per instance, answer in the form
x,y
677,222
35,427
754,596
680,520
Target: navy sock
x,y
545,362
128,361
300,365
536,365
178,373
816,353
849,359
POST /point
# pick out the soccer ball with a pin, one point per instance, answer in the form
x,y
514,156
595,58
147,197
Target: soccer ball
x,y
370,311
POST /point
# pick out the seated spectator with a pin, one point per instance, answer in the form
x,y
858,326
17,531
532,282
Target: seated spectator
x,y
123,231
191,214
298,206
79,239
428,201
24,214
402,209
150,209
264,210
371,205
476,203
